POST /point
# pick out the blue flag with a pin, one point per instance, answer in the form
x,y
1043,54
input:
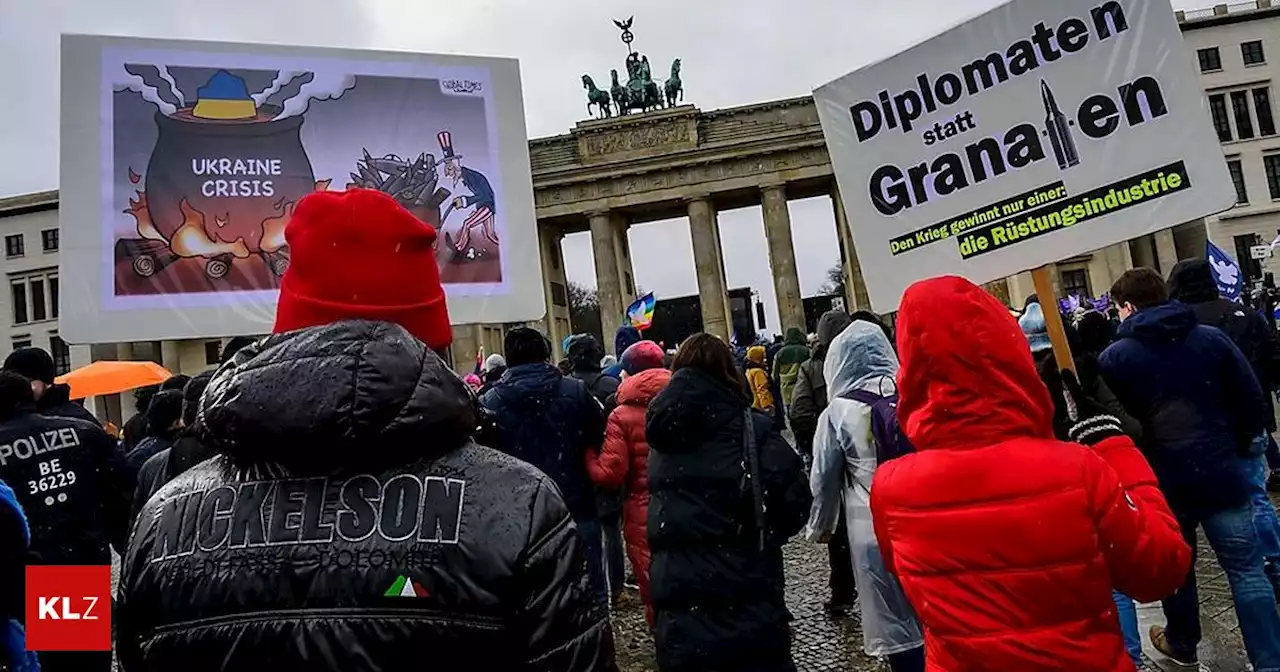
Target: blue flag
x,y
1226,272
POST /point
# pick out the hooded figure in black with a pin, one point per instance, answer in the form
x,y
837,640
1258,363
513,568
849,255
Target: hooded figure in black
x,y
164,422
350,521
1192,283
719,514
585,354
186,452
52,398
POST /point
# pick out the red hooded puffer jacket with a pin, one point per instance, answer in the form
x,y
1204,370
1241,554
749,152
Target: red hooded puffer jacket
x,y
1007,542
623,463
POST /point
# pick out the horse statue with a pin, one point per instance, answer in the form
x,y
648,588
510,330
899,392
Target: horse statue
x,y
674,88
620,99
596,97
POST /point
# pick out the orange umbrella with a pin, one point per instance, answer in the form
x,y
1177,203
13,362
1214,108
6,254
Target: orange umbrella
x,y
111,377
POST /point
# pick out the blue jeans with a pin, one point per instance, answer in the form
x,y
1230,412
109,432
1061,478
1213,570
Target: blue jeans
x,y
1128,613
1256,471
592,546
1234,540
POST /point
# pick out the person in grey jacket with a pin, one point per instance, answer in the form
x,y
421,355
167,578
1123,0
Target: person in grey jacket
x,y
807,403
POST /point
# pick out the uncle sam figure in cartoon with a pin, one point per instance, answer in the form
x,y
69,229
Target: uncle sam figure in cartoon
x,y
481,195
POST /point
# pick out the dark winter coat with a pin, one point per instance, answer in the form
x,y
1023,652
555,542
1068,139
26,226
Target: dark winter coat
x,y
810,395
56,401
349,523
717,594
585,354
1192,283
549,421
1197,399
166,465
71,480
145,450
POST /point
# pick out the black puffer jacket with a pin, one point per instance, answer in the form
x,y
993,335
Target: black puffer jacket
x,y
1192,283
718,597
349,523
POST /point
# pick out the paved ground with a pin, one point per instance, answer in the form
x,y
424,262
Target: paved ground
x,y
826,644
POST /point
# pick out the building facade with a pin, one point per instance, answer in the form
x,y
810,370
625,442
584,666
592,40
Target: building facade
x,y
1236,50
605,175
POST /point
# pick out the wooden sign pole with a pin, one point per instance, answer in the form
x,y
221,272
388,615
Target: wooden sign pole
x,y
1052,318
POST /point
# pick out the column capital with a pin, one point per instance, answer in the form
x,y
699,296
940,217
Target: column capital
x,y
770,185
697,197
602,212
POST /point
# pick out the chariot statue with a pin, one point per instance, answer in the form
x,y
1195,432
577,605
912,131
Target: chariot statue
x,y
640,92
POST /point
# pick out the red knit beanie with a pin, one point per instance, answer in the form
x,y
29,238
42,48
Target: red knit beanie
x,y
358,254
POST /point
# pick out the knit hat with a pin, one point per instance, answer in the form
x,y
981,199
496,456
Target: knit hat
x,y
472,380
642,356
756,354
1033,326
358,254
494,362
32,364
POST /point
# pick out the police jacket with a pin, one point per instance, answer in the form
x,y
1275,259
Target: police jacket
x,y
71,481
350,523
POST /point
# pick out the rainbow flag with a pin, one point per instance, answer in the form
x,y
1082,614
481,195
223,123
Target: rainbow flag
x,y
640,313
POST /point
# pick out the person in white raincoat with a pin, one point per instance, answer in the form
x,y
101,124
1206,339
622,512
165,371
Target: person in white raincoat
x,y
844,463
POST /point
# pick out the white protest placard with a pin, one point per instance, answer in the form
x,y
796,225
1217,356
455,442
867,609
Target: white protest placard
x,y
1034,132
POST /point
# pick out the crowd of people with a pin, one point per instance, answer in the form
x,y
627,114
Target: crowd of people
x,y
335,497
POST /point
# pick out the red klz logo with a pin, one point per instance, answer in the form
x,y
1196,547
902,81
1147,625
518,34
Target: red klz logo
x,y
68,608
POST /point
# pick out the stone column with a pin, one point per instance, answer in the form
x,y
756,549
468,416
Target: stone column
x,y
608,281
704,231
626,272
171,356
855,288
466,343
1020,287
1166,251
782,256
555,288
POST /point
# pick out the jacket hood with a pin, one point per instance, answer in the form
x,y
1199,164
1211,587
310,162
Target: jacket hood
x,y
640,389
860,353
967,378
1035,328
1191,281
347,394
528,385
625,337
585,353
55,395
795,336
1170,321
830,325
691,411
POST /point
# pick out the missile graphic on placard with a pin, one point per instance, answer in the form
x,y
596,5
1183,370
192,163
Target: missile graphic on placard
x,y
1059,130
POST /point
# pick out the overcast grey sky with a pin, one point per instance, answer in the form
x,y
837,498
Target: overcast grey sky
x,y
735,52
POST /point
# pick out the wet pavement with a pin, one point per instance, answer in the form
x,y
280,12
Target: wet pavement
x,y
834,644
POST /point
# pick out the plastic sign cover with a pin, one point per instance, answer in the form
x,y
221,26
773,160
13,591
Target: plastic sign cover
x,y
1032,133
182,162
